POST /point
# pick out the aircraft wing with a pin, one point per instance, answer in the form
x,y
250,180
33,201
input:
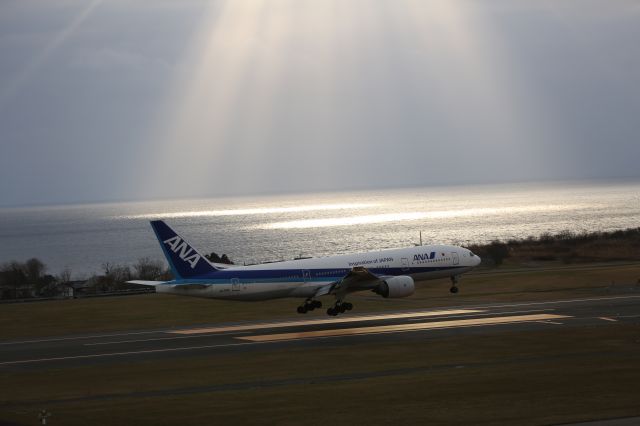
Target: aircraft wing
x,y
359,278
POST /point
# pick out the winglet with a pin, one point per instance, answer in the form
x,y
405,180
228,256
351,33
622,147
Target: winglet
x,y
185,261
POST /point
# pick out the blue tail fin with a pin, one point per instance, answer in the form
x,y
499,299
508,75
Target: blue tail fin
x,y
185,261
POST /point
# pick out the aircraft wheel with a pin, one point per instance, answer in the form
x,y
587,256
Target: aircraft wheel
x,y
302,309
348,306
332,312
453,289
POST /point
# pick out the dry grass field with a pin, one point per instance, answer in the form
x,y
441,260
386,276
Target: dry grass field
x,y
542,377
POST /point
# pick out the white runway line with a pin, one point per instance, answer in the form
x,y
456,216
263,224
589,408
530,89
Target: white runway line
x,y
587,299
97,336
150,351
115,342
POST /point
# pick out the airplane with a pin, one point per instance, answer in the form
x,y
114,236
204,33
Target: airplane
x,y
389,273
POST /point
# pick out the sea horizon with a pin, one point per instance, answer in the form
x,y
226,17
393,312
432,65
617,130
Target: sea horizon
x,y
293,193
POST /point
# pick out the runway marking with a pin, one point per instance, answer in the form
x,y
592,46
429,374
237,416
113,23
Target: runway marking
x,y
489,313
62,358
321,334
97,336
608,319
587,299
478,308
200,335
243,327
115,342
402,327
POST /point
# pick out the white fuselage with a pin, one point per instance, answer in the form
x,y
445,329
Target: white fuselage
x,y
303,277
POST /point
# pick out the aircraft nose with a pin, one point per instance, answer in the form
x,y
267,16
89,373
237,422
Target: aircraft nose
x,y
476,260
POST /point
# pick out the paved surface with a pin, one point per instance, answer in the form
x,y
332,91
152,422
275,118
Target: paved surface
x,y
315,329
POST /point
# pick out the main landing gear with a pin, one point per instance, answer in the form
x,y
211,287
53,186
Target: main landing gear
x,y
339,308
309,305
454,282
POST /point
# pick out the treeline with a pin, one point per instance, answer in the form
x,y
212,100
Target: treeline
x,y
566,247
214,258
115,277
24,280
19,280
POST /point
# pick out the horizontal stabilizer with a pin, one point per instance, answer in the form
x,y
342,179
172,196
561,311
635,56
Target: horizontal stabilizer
x,y
151,283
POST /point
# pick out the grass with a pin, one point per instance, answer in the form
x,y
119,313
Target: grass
x,y
90,315
539,377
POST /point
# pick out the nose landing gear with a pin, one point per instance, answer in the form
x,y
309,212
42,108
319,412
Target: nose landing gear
x,y
454,282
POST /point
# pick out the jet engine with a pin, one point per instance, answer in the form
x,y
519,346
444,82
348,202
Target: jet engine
x,y
401,286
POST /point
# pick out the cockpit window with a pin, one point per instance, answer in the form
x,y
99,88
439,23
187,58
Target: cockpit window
x,y
471,254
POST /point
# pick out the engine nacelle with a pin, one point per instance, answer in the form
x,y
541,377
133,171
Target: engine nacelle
x,y
394,287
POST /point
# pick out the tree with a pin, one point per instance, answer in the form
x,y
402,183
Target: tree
x,y
498,252
15,279
34,269
114,276
64,277
147,269
213,257
63,282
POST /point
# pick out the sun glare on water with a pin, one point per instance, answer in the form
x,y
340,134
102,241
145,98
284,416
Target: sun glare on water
x,y
252,211
407,216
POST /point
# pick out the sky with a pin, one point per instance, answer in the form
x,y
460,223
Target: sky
x,y
106,100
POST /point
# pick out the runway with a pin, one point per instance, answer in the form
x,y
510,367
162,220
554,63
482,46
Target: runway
x,y
316,329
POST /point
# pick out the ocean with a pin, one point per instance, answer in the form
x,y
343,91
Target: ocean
x,y
82,238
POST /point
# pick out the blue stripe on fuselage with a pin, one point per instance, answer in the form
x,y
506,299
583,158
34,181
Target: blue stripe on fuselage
x,y
296,275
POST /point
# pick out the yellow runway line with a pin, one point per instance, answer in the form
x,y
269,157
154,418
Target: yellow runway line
x,y
607,319
244,327
402,327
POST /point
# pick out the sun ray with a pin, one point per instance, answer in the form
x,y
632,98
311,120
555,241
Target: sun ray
x,y
38,60
308,79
